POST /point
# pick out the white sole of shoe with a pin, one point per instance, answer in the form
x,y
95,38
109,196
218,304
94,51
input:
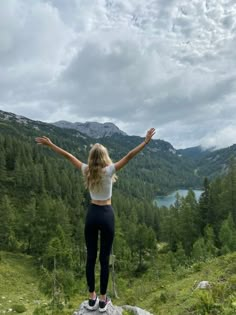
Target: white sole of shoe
x,y
103,310
93,308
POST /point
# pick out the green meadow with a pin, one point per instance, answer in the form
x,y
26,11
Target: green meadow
x,y
161,292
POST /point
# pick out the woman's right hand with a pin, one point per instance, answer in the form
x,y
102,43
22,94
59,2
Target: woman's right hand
x,y
43,140
149,135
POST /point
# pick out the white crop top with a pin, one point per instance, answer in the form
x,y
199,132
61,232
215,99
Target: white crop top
x,y
106,190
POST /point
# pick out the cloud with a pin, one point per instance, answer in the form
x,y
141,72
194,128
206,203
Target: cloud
x,y
167,64
32,49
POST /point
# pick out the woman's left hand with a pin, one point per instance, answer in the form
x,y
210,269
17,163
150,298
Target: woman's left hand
x,y
149,135
44,140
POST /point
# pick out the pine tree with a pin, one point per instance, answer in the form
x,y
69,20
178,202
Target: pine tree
x,y
227,235
25,224
2,165
187,226
199,251
232,187
7,227
204,204
121,249
180,255
145,241
209,238
59,248
169,228
58,269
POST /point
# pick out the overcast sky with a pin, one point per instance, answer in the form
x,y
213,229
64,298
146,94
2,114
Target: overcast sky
x,y
168,64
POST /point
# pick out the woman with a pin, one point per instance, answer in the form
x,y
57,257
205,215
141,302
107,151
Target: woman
x,y
99,174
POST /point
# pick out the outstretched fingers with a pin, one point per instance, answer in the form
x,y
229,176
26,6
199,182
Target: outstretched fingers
x,y
43,140
38,140
151,133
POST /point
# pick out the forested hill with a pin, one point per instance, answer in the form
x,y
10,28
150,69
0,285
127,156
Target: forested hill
x,y
210,162
216,163
194,152
158,169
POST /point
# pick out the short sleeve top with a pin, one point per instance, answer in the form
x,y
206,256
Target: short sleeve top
x,y
106,190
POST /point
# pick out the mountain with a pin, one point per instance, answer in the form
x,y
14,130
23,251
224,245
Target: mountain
x,y
156,170
92,129
161,169
16,123
194,152
209,162
216,163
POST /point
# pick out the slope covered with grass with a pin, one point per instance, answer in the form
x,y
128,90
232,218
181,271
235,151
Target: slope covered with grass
x,y
18,283
160,291
164,292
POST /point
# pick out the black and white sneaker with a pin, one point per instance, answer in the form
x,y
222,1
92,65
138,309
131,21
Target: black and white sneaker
x,y
93,304
103,305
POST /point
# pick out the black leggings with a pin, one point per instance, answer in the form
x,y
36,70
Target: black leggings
x,y
99,218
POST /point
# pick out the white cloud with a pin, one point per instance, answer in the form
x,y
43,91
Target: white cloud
x,y
167,64
224,137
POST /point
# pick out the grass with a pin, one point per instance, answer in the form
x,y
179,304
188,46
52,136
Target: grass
x,y
172,293
176,293
18,283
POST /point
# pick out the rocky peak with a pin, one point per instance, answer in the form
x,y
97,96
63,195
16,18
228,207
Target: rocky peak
x,y
92,129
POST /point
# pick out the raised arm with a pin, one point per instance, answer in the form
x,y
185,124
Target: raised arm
x,y
46,141
118,165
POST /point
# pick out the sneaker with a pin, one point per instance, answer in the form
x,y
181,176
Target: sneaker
x,y
93,304
103,305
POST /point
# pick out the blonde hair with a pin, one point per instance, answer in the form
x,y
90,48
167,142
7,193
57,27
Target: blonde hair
x,y
97,160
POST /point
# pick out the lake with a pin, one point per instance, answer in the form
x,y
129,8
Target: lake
x,y
170,199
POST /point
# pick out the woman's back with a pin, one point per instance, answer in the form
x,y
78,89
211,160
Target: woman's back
x,y
104,192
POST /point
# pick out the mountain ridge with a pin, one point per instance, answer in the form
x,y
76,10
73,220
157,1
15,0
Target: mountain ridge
x,y
91,128
156,164
172,166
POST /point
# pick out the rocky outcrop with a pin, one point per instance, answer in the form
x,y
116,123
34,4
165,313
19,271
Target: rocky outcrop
x,y
111,310
92,129
136,310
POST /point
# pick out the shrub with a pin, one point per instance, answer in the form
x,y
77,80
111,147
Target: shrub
x,y
19,308
163,297
207,304
40,311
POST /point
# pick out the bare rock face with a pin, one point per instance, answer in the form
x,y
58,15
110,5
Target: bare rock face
x,y
111,310
92,129
136,310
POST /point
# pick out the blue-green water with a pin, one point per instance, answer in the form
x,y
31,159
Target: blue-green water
x,y
170,199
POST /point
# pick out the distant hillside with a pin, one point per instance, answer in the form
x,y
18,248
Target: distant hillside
x,y
209,163
17,124
92,129
216,163
160,170
193,152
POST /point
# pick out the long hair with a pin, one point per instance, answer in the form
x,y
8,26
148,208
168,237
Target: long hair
x,y
97,160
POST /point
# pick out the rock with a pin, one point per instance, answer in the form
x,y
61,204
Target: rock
x,y
111,310
203,285
92,129
136,310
